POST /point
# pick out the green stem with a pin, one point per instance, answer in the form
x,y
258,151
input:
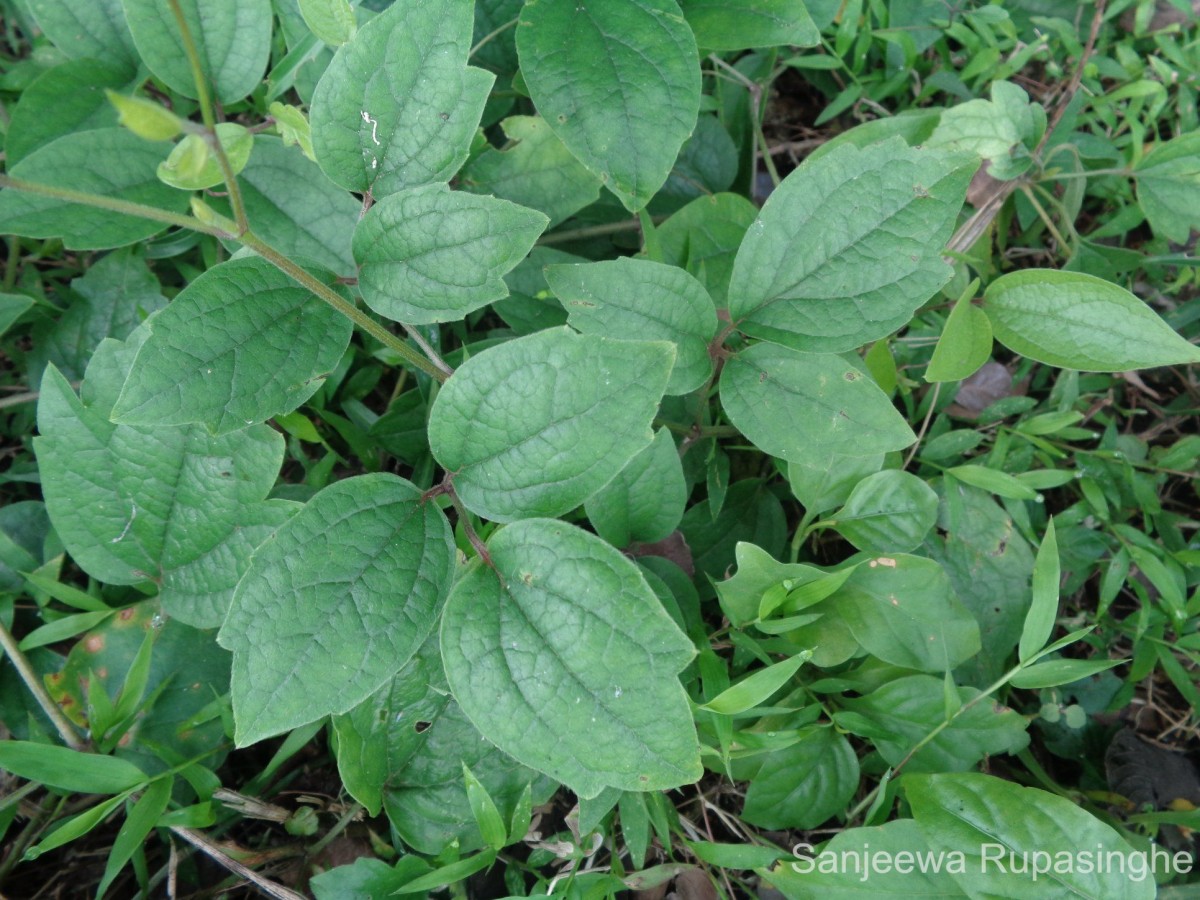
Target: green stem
x,y
576,234
490,36
1094,173
64,727
210,122
112,204
347,309
428,350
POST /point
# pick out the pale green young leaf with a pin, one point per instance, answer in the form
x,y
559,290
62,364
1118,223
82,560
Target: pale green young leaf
x,y
69,770
1078,321
742,24
68,98
797,405
331,20
813,277
1168,187
536,425
980,814
398,105
94,30
803,785
965,344
171,505
618,82
429,254
536,170
335,603
583,690
756,688
238,345
145,118
232,37
1043,611
193,166
645,501
636,299
890,511
111,162
293,127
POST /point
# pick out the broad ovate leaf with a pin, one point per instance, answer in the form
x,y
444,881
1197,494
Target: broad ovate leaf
x,y
618,81
429,254
175,506
741,24
398,105
94,30
1168,187
804,784
796,405
1078,321
645,501
335,603
965,344
848,246
889,511
638,299
241,343
564,658
536,425
232,38
1005,831
70,97
536,170
111,162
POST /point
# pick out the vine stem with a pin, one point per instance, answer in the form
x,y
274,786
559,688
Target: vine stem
x,y
113,204
61,724
492,35
210,121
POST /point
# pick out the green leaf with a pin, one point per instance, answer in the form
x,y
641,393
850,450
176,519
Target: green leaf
x,y
535,170
69,770
147,119
535,426
1079,321
736,856
12,307
581,690
1168,187
704,237
241,343
993,481
890,511
805,784
618,82
645,501
825,481
903,610
636,299
742,24
848,246
767,389
293,207
110,162
997,825
487,817
757,688
232,37
907,709
335,603
331,20
1043,611
70,97
137,826
192,166
965,344
1058,672
429,254
76,826
398,105
95,30
171,505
